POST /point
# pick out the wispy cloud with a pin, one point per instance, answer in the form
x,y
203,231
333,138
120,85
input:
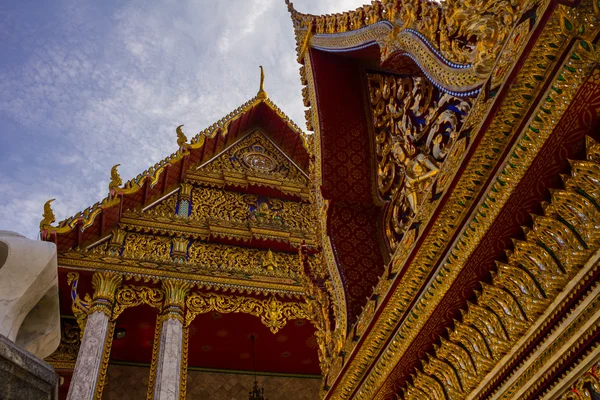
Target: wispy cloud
x,y
91,84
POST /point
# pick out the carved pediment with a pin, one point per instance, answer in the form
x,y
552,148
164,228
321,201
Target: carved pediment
x,y
254,160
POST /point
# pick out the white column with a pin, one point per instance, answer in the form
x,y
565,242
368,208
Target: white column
x,y
89,359
168,366
95,338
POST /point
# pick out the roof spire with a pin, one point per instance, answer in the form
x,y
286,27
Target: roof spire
x,y
261,91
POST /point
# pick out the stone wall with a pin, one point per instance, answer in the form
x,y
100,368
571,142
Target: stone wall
x,y
129,382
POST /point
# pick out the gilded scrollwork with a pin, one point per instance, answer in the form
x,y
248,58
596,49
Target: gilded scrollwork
x,y
165,208
416,127
587,387
220,205
131,296
273,313
202,256
147,247
468,33
70,340
240,259
256,156
538,268
79,307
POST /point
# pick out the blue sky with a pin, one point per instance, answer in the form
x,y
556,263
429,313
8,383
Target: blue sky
x,y
88,84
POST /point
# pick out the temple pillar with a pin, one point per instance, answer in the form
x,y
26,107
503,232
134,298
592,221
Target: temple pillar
x,y
170,350
90,368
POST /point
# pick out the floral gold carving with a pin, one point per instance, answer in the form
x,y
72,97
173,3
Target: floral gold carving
x,y
132,296
258,159
416,127
273,313
587,387
558,244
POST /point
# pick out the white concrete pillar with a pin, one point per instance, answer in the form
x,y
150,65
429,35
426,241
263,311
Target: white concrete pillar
x,y
168,366
95,338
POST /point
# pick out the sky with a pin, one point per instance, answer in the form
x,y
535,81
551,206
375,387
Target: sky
x,y
87,84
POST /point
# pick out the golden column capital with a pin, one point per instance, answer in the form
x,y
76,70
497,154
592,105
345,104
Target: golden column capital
x,y
105,286
185,191
175,294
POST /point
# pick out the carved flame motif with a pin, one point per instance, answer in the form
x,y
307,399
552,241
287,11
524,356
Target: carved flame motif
x,y
415,129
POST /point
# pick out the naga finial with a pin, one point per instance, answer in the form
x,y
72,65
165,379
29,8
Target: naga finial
x,y
48,216
261,91
181,138
115,180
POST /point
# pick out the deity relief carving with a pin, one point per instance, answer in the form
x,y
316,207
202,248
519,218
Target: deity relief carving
x,y
416,126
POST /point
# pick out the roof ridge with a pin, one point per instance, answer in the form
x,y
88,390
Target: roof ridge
x,y
153,173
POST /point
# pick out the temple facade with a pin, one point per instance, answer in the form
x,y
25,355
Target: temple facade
x,y
435,236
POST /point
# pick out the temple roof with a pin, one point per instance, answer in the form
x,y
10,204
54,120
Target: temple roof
x,y
160,179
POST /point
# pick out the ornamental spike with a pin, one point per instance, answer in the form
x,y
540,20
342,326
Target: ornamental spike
x,y
48,215
115,180
262,95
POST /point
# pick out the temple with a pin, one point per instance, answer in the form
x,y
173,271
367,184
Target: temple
x,y
436,236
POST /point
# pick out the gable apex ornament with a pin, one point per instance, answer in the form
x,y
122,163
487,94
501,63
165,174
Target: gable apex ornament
x,y
262,95
115,181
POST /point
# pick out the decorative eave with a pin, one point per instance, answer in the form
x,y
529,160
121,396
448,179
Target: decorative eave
x,y
155,182
538,82
156,271
189,229
455,46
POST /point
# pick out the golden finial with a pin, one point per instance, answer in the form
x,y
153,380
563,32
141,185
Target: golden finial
x,y
261,91
181,138
115,180
48,216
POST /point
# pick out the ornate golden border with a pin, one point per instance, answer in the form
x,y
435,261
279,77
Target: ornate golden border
x,y
152,272
378,335
102,378
154,362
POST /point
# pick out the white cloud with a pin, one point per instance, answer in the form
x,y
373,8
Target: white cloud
x,y
90,86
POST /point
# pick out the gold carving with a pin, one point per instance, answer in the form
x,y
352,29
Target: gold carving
x,y
181,138
105,286
184,363
538,268
273,313
537,69
48,216
240,259
261,89
67,351
210,279
587,387
410,153
254,160
116,242
115,180
175,292
79,307
102,378
485,24
131,296
146,247
154,362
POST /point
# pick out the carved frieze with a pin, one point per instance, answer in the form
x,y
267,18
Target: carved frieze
x,y
253,160
538,269
416,128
